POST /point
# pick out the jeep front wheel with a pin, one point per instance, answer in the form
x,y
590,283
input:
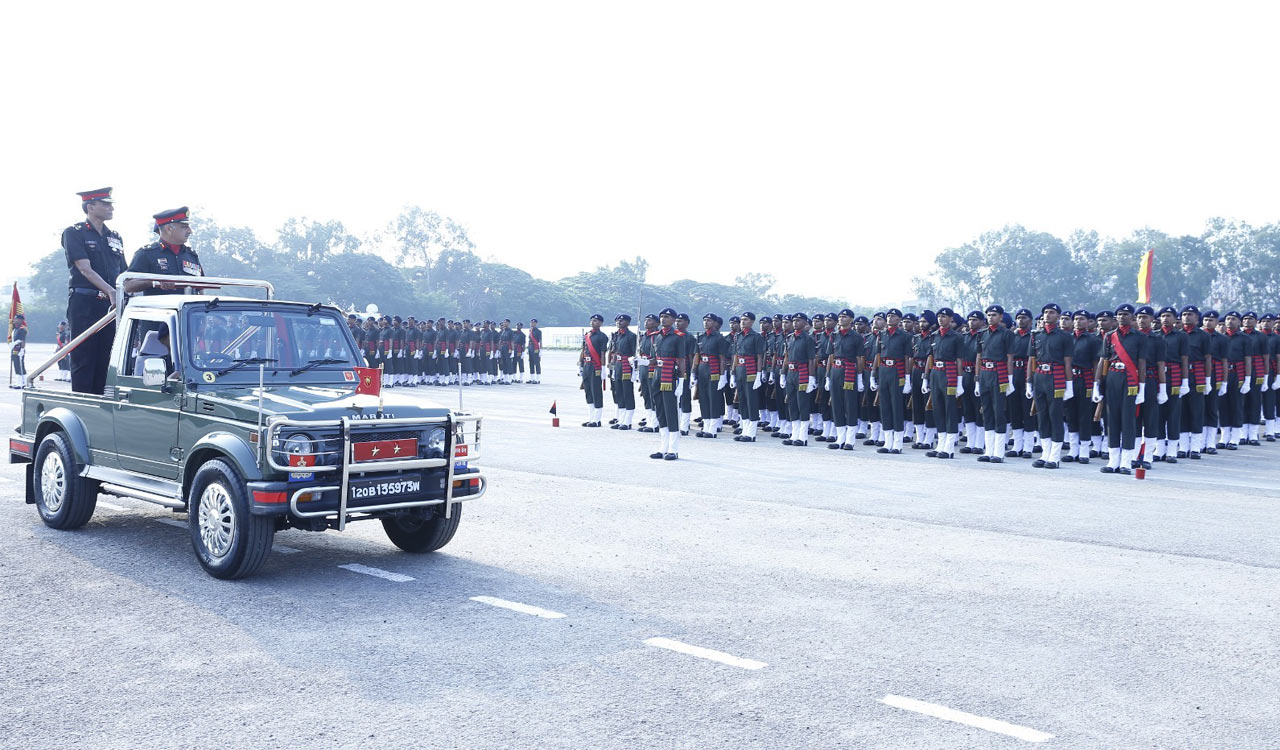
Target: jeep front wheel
x,y
421,531
230,542
64,499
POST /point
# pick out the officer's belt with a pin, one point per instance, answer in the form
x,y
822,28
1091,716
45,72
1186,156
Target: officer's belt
x,y
87,292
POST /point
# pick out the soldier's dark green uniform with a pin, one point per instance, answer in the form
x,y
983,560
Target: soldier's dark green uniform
x,y
944,381
921,346
1122,349
86,303
712,355
748,374
893,349
845,374
1177,362
1199,375
1051,359
799,378
994,364
669,349
622,372
591,365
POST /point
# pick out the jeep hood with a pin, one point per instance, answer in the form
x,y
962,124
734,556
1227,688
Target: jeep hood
x,y
311,402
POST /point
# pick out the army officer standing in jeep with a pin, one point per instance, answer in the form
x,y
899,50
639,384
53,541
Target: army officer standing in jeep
x,y
169,256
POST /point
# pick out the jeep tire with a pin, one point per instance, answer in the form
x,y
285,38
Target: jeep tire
x,y
64,499
416,533
229,541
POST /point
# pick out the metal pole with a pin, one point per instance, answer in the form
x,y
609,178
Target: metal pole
x,y
459,386
72,344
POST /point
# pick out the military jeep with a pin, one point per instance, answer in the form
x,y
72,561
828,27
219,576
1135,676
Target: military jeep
x,y
251,416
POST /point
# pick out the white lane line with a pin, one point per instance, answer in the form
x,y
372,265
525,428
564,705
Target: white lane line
x,y
173,522
706,653
376,572
960,717
285,549
110,506
517,607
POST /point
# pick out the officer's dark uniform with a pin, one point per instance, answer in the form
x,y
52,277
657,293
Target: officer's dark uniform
x,y
669,350
946,358
535,352
921,344
621,371
1085,350
868,410
801,352
1256,350
1019,406
1122,391
1050,349
1214,403
594,346
518,342
1231,407
1199,372
85,303
713,351
748,369
1150,426
995,354
844,358
162,258
18,346
1176,361
968,402
892,352
645,372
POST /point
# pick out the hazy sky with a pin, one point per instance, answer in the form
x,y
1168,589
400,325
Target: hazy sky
x,y
836,146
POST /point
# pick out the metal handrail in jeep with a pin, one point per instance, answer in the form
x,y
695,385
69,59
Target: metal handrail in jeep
x,y
204,282
348,466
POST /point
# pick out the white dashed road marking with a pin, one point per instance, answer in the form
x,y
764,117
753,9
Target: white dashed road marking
x,y
173,522
972,720
110,506
376,572
517,607
706,653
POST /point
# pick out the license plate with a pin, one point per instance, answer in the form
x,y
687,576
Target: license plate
x,y
388,488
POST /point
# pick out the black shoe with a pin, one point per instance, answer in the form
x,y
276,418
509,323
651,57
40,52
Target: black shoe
x,y
1271,438
1123,470
659,454
997,460
1107,470
1232,447
1170,460
624,427
1011,454
880,443
1221,446
846,447
1135,463
670,457
862,435
907,439
882,450
1038,463
1145,464
702,434
984,459
1068,459
738,431
777,434
868,442
1211,451
1051,465
613,421
1095,454
798,442
1082,460
1182,454
788,441
946,455
646,429
1254,442
1024,454
615,425
834,446
745,439
1037,449
1194,456
684,433
895,451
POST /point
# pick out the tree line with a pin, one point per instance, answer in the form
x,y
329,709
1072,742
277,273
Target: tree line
x,y
1229,265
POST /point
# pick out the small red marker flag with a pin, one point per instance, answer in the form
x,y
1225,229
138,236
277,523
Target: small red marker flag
x,y
553,407
370,380
555,420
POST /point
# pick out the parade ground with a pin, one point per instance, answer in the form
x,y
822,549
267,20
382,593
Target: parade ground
x,y
746,595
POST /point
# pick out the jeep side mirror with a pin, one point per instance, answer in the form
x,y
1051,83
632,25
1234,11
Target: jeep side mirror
x,y
153,371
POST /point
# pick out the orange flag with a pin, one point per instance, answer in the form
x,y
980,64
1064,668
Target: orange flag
x,y
15,309
1144,277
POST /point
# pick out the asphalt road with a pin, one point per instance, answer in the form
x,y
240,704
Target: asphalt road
x,y
850,600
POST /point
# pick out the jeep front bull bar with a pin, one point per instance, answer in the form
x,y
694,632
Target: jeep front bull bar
x,y
454,426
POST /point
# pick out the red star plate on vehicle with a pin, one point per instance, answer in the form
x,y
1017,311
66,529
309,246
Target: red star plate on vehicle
x,y
461,451
385,450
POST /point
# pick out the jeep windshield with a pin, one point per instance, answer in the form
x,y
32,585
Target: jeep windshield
x,y
228,333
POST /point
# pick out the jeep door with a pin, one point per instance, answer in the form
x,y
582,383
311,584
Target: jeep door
x,y
146,417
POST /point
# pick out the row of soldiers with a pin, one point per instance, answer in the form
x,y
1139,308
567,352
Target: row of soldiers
x,y
414,352
1133,384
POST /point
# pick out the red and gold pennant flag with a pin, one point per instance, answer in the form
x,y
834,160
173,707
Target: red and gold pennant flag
x,y
370,380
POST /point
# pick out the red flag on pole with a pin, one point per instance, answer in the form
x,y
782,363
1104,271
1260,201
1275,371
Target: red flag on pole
x,y
370,380
15,309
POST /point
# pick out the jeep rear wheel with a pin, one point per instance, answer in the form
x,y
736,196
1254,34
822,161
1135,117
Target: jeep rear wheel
x,y
64,499
422,532
230,542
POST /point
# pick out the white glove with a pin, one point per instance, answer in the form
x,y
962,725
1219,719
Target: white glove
x,y
1275,383
773,377
1031,394
1097,395
861,385
722,383
812,386
433,355
679,386
758,383
924,386
470,353
906,387
1246,385
1008,388
959,386
1069,391
1206,384
1142,394
733,380
457,355
1184,388
1162,395
1222,388
828,384
977,387
782,381
1263,387
875,384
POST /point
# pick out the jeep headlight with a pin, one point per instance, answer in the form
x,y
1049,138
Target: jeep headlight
x,y
435,443
299,443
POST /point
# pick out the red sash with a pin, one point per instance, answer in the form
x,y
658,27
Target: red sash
x,y
1130,369
591,350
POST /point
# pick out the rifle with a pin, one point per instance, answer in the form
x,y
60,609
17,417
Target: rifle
x,y
1099,384
1031,357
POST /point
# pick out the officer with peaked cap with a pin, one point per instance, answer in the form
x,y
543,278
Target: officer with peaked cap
x,y
95,257
169,255
591,365
1149,426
